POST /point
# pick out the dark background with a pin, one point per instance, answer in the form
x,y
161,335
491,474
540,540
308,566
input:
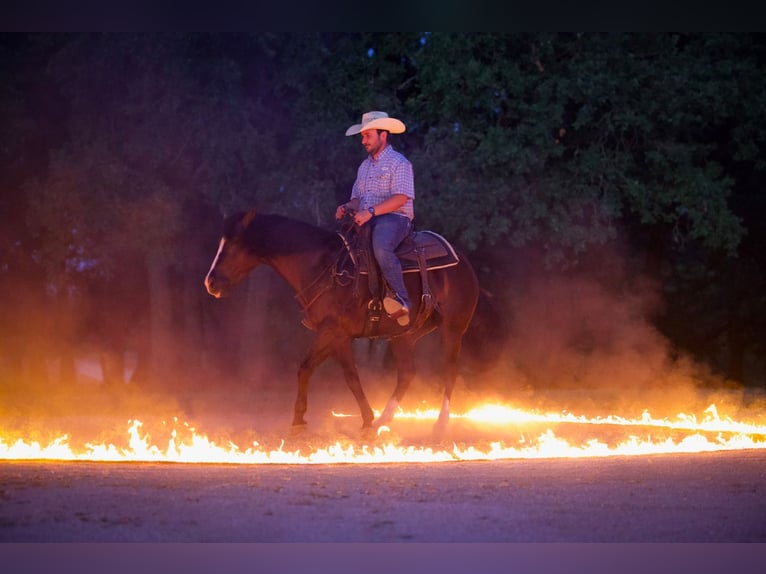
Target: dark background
x,y
607,187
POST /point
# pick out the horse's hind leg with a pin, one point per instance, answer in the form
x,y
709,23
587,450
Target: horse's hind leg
x,y
345,355
451,341
402,349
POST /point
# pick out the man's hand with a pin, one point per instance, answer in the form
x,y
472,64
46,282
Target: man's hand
x,y
341,211
362,217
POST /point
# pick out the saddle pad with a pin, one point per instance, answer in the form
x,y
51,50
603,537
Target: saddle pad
x,y
438,251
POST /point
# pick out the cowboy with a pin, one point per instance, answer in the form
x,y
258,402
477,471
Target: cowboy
x,y
383,196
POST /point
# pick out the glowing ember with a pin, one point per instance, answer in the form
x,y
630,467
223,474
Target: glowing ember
x,y
711,433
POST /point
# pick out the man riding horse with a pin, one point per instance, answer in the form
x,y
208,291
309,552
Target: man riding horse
x,y
442,283
383,196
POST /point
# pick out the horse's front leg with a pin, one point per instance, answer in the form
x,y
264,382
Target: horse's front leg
x,y
316,355
330,343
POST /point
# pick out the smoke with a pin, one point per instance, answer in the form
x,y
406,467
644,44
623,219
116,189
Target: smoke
x,y
584,340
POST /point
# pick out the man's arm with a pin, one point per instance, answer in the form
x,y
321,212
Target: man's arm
x,y
387,206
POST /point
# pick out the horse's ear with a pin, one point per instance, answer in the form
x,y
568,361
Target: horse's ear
x,y
249,216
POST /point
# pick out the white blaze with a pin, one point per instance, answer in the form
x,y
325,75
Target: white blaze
x,y
221,243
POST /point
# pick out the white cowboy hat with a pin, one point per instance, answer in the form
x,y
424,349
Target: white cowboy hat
x,y
377,121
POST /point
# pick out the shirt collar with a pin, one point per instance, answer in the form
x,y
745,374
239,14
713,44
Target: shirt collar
x,y
382,153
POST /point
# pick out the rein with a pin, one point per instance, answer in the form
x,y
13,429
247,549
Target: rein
x,y
302,295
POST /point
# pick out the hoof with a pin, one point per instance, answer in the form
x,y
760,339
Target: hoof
x,y
297,430
382,422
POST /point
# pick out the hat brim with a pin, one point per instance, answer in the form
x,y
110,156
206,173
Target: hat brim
x,y
389,124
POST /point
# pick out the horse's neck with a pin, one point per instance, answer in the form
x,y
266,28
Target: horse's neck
x,y
299,272
301,266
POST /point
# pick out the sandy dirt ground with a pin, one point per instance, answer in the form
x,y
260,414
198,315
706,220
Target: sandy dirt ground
x,y
718,497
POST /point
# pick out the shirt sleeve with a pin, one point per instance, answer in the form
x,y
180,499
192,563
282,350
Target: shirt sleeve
x,y
403,180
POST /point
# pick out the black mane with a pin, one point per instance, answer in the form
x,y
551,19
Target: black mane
x,y
273,234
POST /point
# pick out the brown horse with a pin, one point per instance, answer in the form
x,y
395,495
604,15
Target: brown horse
x,y
311,260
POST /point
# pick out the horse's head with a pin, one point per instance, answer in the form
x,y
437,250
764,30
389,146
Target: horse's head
x,y
234,259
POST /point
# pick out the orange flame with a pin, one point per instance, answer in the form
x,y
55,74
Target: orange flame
x,y
711,433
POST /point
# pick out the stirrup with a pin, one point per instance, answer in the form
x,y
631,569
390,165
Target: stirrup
x,y
373,310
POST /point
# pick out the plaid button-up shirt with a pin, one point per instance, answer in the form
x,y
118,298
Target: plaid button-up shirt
x,y
378,179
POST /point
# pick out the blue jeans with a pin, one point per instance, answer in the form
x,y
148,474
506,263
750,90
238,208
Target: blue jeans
x,y
388,231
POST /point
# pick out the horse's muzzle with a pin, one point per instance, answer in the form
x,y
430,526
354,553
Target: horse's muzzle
x,y
216,286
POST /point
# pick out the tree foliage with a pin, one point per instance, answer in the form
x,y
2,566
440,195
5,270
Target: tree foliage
x,y
559,137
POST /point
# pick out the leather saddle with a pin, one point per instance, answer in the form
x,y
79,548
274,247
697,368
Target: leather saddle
x,y
427,246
